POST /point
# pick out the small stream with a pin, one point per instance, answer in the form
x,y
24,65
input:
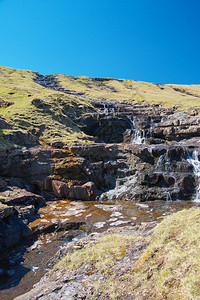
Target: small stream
x,y
29,261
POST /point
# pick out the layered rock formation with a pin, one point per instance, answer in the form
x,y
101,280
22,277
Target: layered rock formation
x,y
134,151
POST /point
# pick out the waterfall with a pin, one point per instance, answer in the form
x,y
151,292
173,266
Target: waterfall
x,y
105,109
194,161
164,163
168,197
132,123
108,109
160,163
139,137
121,190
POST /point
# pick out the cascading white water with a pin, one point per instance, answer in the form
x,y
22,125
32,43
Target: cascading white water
x,y
194,161
160,163
139,137
168,197
164,163
132,123
108,109
105,109
120,190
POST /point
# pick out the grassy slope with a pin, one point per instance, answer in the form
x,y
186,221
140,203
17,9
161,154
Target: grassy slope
x,y
169,268
135,91
18,86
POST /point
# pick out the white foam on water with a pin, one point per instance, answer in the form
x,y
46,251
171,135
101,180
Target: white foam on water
x,y
142,205
109,207
99,224
119,222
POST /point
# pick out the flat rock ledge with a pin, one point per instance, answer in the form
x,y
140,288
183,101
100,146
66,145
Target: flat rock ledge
x,y
68,285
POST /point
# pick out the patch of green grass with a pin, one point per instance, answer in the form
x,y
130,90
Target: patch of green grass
x,y
101,256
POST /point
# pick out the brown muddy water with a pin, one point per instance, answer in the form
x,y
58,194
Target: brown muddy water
x,y
29,261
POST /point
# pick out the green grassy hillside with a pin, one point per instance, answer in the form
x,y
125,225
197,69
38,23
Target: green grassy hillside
x,y
183,96
49,122
18,89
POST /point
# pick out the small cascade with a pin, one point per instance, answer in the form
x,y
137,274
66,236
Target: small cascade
x,y
105,109
168,197
164,163
139,137
112,110
151,132
162,120
160,163
121,190
194,161
167,162
132,122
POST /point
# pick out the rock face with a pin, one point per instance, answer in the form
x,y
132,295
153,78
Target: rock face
x,y
12,228
140,153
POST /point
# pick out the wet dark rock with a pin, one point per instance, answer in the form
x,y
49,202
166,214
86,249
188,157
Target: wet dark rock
x,y
26,212
56,143
39,103
187,186
47,226
157,179
143,152
33,164
2,183
95,152
5,211
21,138
107,128
12,229
15,195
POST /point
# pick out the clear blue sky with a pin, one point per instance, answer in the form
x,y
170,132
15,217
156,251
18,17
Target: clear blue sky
x,y
155,41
